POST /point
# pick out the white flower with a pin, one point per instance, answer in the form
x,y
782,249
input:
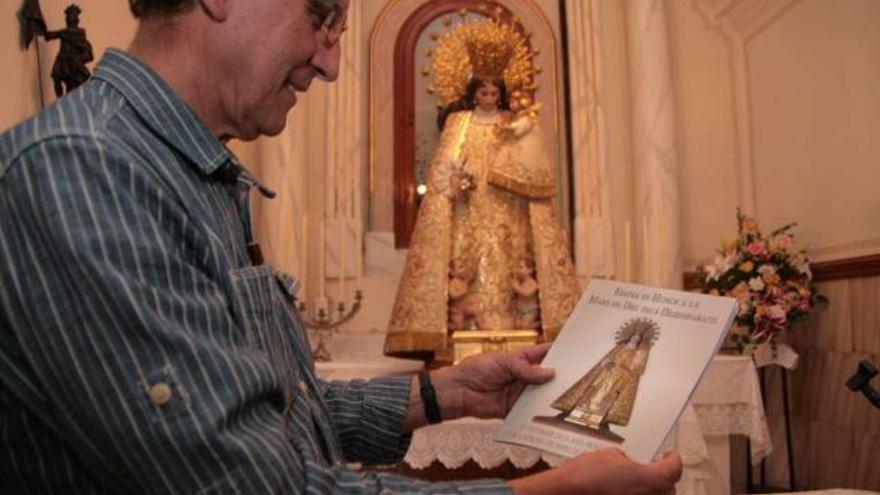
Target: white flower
x,y
723,263
767,269
712,272
745,306
800,263
777,312
756,284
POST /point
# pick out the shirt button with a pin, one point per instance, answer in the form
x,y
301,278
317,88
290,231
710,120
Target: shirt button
x,y
160,394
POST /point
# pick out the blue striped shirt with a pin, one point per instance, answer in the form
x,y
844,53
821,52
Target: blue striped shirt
x,y
141,350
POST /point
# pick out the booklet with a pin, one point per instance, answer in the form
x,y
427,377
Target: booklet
x,y
627,361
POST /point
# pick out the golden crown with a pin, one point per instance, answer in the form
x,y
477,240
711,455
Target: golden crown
x,y
490,50
486,49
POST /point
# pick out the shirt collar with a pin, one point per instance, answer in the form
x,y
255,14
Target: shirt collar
x,y
164,112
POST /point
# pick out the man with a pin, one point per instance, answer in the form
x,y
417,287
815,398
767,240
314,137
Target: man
x,y
145,348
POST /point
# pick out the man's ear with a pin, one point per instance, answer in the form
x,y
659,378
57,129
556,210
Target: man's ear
x,y
217,10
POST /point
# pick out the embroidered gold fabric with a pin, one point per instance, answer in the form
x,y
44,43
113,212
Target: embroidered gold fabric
x,y
521,166
491,230
607,393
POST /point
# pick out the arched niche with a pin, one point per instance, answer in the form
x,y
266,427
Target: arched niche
x,y
393,92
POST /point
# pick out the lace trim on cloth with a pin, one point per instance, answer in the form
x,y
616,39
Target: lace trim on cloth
x,y
456,442
737,419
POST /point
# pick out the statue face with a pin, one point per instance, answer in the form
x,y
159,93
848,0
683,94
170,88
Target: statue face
x,y
523,269
458,269
487,96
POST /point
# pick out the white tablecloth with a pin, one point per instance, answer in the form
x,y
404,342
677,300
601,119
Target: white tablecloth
x,y
727,402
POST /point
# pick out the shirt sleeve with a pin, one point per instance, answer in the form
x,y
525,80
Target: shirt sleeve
x,y
369,416
120,320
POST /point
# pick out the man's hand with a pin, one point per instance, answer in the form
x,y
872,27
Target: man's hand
x,y
485,386
604,472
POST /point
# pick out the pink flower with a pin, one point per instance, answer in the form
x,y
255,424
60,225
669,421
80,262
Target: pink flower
x,y
782,242
805,304
757,248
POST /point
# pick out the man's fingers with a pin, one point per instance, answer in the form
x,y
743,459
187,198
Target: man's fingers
x,y
530,373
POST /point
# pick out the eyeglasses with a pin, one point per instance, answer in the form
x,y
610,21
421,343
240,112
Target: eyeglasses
x,y
333,26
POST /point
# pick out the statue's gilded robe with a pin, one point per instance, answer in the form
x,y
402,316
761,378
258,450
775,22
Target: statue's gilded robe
x,y
509,215
608,390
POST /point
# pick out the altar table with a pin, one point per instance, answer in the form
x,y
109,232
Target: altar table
x,y
727,402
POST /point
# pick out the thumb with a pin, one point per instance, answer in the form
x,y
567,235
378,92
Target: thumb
x,y
668,468
536,353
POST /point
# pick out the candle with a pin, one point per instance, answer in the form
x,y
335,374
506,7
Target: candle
x,y
304,256
606,247
342,246
322,260
360,253
646,258
341,218
627,252
662,261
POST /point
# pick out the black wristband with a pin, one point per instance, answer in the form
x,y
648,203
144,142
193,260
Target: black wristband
x,y
429,398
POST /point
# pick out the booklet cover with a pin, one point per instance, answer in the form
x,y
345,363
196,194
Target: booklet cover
x,y
627,361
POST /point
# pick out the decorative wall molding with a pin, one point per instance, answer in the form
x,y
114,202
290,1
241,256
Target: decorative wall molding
x,y
862,266
740,21
743,19
594,245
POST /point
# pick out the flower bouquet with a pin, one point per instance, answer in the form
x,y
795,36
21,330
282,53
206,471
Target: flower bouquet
x,y
768,276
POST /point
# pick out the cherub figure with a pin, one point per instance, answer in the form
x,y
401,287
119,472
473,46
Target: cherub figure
x,y
525,116
462,310
525,296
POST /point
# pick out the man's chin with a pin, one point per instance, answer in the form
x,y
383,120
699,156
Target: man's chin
x,y
274,130
266,129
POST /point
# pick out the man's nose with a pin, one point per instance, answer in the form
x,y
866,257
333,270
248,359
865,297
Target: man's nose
x,y
326,63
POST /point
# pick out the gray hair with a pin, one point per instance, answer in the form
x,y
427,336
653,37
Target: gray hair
x,y
147,8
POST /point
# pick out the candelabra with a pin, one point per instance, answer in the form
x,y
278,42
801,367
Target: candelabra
x,y
325,321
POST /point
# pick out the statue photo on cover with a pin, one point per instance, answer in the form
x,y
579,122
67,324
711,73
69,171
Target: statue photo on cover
x,y
606,394
488,212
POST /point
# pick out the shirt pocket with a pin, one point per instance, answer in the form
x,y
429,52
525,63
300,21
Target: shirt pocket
x,y
252,305
261,305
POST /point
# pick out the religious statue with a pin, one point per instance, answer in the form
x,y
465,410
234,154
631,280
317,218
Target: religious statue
x,y
488,210
606,394
69,70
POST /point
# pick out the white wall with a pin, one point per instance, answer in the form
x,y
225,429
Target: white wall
x,y
786,93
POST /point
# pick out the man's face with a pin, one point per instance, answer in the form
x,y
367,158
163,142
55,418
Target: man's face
x,y
487,96
276,48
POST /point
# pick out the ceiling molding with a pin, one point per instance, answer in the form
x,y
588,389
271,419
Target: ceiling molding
x,y
743,19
